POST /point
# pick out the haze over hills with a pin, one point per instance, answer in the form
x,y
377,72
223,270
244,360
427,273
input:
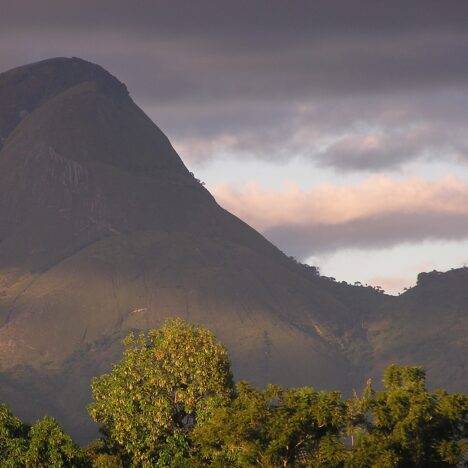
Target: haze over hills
x,y
103,230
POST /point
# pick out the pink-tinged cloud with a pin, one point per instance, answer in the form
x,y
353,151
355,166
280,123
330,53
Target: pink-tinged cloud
x,y
392,284
378,212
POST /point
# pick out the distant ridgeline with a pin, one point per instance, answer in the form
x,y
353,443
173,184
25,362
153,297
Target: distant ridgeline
x,y
315,271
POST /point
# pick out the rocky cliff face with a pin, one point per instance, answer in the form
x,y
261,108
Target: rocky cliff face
x,y
103,230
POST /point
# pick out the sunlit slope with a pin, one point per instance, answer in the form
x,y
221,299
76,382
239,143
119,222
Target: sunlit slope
x,y
427,325
103,230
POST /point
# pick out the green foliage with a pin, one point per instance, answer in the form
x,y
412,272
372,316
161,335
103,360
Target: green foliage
x,y
175,451
409,426
100,453
13,439
273,427
50,446
170,402
151,399
105,460
401,426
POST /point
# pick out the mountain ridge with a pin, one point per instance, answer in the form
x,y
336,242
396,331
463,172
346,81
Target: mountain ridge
x,y
103,230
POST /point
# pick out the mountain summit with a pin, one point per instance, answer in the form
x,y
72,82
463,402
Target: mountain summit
x,y
103,230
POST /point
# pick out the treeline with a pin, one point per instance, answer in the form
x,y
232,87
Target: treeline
x,y
171,402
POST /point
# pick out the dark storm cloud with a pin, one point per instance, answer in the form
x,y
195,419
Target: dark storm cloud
x,y
295,17
272,79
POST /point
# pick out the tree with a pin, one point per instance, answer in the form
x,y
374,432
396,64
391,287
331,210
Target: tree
x,y
50,446
167,378
13,439
101,454
409,426
105,460
273,427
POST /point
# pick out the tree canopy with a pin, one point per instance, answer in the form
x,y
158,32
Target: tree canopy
x,y
272,427
409,426
13,438
171,402
167,378
50,446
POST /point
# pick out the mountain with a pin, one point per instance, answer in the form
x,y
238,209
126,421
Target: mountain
x,y
103,230
428,326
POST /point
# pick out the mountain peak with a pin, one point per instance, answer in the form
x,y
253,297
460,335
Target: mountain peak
x,y
77,109
24,89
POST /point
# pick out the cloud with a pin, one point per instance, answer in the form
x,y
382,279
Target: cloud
x,y
273,79
389,148
357,134
379,212
392,284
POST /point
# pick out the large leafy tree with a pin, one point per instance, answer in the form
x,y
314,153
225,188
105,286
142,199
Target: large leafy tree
x,y
167,378
274,427
50,446
406,425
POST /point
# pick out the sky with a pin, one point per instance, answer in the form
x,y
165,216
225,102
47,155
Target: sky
x,y
338,129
